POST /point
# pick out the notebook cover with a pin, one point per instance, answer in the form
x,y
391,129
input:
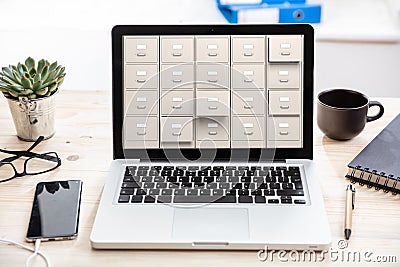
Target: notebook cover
x,y
383,152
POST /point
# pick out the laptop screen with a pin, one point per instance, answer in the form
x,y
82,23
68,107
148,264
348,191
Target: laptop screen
x,y
210,91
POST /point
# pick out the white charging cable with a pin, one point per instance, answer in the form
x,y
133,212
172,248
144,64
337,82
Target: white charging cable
x,y
34,250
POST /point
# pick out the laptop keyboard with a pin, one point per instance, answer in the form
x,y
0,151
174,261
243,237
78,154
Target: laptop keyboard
x,y
212,184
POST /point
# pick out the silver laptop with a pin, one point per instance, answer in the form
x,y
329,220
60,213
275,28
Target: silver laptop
x,y
212,140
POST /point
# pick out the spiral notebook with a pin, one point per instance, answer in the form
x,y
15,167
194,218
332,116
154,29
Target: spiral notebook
x,y
378,164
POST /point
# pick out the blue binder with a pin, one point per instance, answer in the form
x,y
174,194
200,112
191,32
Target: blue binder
x,y
285,13
227,3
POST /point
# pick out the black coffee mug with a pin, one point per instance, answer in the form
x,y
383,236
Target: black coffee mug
x,y
342,113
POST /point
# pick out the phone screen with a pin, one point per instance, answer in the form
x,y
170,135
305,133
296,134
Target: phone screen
x,y
55,210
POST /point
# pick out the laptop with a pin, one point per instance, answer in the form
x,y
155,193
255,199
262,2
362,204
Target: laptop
x,y
212,140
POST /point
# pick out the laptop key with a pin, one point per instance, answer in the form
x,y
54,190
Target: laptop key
x,y
192,199
275,186
129,179
148,185
179,191
172,179
269,192
140,191
205,192
149,199
273,201
289,192
196,179
168,168
164,199
183,179
245,199
299,201
161,185
127,191
192,192
131,185
287,186
256,192
147,179
136,199
212,186
243,192
286,200
166,191
226,199
218,192
123,199
159,179
144,167
298,185
154,192
193,168
259,199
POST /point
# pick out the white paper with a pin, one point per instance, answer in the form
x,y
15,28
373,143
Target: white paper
x,y
141,125
212,46
141,99
141,73
176,126
284,99
177,73
248,46
177,99
141,47
213,99
248,72
248,125
283,72
283,125
212,125
177,46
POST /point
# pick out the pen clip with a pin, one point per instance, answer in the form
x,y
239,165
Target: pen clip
x,y
353,197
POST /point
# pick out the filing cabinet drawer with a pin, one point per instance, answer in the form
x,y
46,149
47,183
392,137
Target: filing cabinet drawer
x,y
248,76
141,128
141,49
176,103
284,102
212,103
212,49
284,76
285,48
141,76
247,102
212,128
284,128
141,102
177,76
177,129
212,75
177,49
248,128
248,49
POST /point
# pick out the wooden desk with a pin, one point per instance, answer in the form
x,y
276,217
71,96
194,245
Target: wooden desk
x,y
83,141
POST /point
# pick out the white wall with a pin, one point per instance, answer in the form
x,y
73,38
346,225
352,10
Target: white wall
x,y
360,52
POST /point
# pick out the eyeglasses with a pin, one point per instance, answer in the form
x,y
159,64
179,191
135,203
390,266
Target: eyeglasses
x,y
34,163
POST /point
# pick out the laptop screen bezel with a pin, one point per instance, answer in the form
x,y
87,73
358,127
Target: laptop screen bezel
x,y
119,31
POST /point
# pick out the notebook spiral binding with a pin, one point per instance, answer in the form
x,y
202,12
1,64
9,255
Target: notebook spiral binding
x,y
364,176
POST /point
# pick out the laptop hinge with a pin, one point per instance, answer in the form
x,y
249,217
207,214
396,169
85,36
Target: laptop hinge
x,y
221,160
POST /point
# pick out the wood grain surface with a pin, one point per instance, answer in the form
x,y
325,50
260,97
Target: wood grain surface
x,y
83,141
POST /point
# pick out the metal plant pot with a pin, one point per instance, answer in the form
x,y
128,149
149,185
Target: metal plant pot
x,y
33,117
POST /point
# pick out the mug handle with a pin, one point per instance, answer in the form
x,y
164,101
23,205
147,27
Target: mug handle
x,y
380,113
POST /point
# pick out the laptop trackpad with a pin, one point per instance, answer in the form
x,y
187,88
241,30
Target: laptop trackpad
x,y
204,224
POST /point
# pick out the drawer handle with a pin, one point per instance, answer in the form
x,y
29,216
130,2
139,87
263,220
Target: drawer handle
x,y
283,81
284,133
141,107
248,80
212,54
284,107
176,107
247,107
141,54
141,81
141,133
248,54
212,107
212,81
248,133
176,54
176,81
176,134
212,133
285,53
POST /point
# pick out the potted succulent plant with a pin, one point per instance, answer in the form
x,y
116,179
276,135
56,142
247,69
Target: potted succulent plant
x,y
30,89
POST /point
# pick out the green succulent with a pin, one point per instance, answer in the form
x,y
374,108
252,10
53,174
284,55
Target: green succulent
x,y
31,80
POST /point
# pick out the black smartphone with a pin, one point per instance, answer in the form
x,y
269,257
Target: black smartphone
x,y
55,211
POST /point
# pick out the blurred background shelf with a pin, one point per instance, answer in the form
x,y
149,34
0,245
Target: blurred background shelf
x,y
357,42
